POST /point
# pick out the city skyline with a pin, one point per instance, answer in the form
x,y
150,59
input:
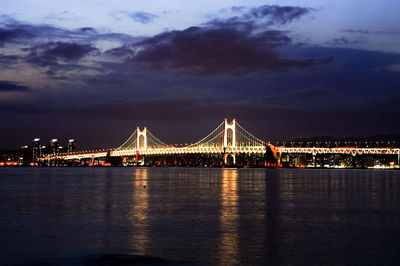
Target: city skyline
x,y
288,70
229,144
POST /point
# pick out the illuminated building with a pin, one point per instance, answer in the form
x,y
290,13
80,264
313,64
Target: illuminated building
x,y
71,145
36,149
54,146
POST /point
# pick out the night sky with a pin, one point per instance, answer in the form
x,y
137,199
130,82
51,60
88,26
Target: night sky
x,y
95,70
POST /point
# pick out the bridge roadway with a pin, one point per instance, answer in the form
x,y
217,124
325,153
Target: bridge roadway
x,y
338,150
221,150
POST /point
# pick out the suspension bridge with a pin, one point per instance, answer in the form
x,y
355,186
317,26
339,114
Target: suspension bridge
x,y
227,141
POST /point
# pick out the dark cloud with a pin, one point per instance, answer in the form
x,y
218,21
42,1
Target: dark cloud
x,y
261,17
87,30
69,51
14,33
278,14
7,61
49,54
59,59
6,86
121,51
210,51
343,41
143,17
124,38
237,45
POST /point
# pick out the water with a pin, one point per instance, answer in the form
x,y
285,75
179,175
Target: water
x,y
73,216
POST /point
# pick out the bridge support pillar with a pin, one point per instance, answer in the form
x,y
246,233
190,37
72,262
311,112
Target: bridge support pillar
x,y
144,134
231,126
354,160
315,159
226,157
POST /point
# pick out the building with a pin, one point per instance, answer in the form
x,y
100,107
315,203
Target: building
x,y
54,146
10,158
71,145
36,149
26,155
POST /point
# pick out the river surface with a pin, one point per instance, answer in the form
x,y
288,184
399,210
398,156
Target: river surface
x,y
198,216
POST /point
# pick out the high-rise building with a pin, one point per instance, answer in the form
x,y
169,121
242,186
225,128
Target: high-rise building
x,y
36,149
26,155
71,145
54,146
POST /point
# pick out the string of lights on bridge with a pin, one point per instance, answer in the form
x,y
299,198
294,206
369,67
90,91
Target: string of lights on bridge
x,y
225,138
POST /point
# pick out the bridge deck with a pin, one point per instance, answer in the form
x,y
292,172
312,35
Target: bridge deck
x,y
221,150
339,150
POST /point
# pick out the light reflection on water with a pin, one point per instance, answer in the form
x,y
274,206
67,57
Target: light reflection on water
x,y
204,216
140,206
229,216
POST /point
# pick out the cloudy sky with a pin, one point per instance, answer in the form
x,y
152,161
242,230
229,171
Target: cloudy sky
x,y
94,70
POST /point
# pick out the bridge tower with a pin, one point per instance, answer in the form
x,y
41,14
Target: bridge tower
x,y
144,134
231,126
228,126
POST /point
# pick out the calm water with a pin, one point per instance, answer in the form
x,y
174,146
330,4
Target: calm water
x,y
68,216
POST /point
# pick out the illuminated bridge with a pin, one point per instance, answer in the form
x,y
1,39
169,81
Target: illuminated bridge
x,y
227,144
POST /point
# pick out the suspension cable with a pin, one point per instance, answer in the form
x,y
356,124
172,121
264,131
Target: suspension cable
x,y
198,142
120,147
159,141
259,140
